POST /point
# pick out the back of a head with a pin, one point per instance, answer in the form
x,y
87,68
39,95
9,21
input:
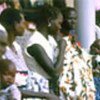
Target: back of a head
x,y
9,17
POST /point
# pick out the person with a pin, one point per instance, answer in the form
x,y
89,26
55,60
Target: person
x,y
7,76
13,22
69,23
43,47
3,41
73,79
95,52
76,78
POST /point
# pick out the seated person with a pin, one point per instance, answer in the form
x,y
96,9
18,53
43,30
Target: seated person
x,y
7,76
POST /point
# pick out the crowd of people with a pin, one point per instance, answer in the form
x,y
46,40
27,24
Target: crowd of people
x,y
42,53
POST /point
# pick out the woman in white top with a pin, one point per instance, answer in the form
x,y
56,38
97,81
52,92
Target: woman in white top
x,y
42,45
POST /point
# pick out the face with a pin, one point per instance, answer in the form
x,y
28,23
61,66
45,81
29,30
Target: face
x,y
8,76
3,44
20,27
72,19
56,24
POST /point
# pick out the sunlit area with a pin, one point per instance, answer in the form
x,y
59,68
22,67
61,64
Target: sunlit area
x,y
49,49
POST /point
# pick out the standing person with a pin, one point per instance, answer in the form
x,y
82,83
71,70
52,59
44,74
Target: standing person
x,y
76,79
8,89
42,45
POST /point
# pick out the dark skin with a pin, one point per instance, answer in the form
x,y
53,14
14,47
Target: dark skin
x,y
40,55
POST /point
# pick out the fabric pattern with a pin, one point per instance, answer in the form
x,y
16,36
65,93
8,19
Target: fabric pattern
x,y
25,78
10,93
76,78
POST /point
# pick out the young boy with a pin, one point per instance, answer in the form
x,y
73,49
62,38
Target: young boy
x,y
8,90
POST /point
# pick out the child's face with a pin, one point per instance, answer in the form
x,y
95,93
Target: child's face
x,y
8,77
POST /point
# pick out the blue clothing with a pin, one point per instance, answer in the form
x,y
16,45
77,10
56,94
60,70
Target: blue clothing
x,y
97,85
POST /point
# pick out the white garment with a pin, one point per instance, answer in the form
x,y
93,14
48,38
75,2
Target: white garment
x,y
38,38
17,57
2,28
22,40
48,45
54,46
10,93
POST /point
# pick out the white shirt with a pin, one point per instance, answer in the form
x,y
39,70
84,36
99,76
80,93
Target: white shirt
x,y
17,57
38,38
48,45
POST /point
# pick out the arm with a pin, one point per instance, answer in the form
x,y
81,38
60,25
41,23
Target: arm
x,y
42,58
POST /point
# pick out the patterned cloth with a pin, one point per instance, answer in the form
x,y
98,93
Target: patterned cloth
x,y
25,78
10,93
76,78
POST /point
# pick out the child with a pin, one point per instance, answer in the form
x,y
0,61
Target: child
x,y
8,90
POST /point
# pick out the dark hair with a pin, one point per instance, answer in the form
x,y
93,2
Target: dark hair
x,y
9,16
66,11
4,65
65,25
95,45
98,17
2,1
44,12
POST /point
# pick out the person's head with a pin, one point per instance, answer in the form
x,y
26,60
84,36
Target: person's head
x,y
55,19
95,47
7,72
13,21
48,17
3,42
70,18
